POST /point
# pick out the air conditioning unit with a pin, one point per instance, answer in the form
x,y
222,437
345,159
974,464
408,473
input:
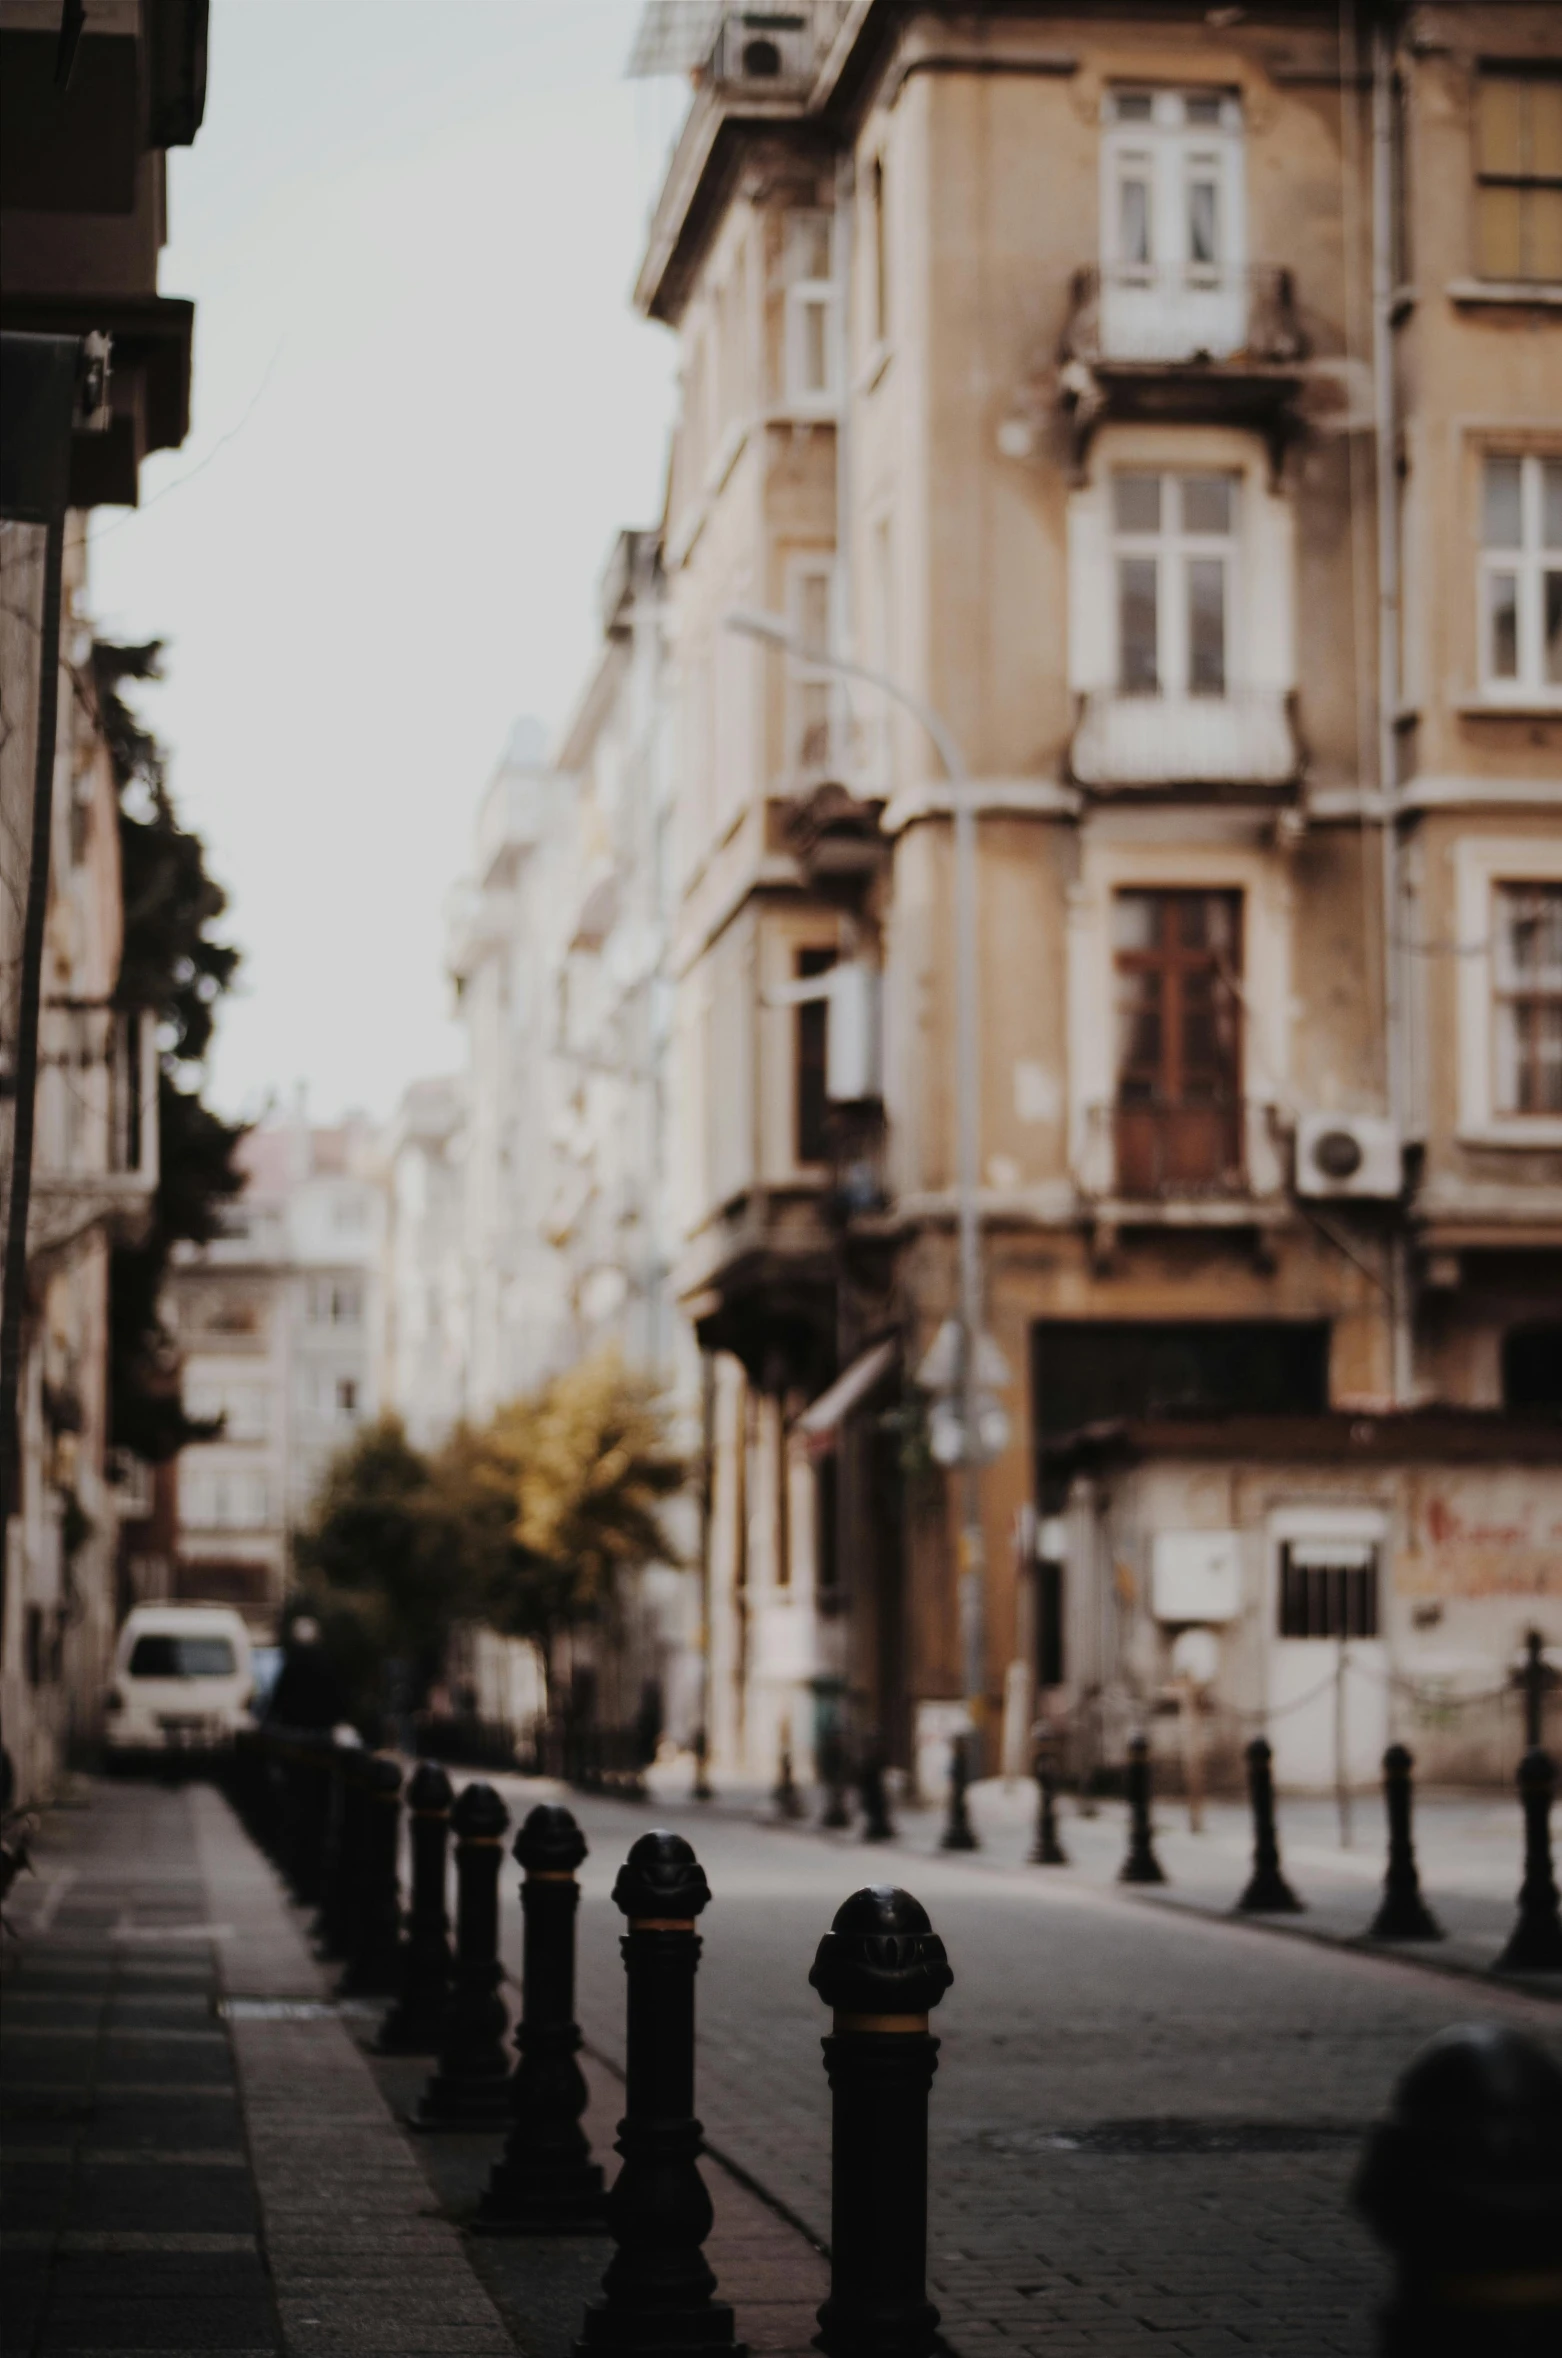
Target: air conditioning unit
x,y
1348,1154
760,45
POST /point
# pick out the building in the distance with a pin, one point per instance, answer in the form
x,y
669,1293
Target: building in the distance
x,y
424,1293
275,1325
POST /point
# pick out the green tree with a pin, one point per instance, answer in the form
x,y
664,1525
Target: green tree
x,y
172,969
384,1560
585,1467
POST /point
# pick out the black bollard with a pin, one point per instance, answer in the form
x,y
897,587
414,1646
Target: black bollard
x,y
1463,2183
333,1921
373,1964
832,1770
1402,1914
881,1968
547,2180
702,1783
1047,1849
1535,1943
1267,1893
656,2294
788,1801
959,1833
413,2025
1141,1865
314,1777
468,2087
877,1824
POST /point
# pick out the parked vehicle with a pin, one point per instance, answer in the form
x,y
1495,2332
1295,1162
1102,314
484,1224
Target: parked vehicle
x,y
183,1681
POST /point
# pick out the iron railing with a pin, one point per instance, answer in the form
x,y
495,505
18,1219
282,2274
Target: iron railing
x,y
1170,312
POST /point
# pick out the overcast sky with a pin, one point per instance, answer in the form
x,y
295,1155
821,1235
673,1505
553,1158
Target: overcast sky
x,y
422,407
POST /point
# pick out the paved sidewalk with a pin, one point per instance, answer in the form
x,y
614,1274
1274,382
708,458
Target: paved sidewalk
x,y
199,2156
130,2220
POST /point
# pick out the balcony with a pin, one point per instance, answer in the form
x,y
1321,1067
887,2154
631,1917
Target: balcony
x,y
95,1151
1171,344
1155,315
1245,739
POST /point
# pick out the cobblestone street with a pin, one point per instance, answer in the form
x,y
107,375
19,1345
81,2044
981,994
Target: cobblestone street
x,y
1144,2121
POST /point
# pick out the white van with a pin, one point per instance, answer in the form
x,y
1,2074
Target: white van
x,y
183,1680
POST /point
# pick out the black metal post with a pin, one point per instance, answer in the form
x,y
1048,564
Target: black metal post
x,y
832,1772
1267,1893
702,1784
313,1776
467,2088
1535,1944
1463,2183
1402,1913
959,1833
547,2180
881,1967
1535,1678
1047,1849
657,2292
343,1860
788,1800
1141,1865
414,2023
877,1824
372,1961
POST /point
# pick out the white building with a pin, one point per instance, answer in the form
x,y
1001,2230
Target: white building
x,y
504,924
559,950
275,1323
424,1297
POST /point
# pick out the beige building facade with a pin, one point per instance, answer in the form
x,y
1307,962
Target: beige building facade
x,y
1176,407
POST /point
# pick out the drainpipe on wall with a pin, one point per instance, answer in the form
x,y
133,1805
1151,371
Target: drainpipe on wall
x,y
841,632
1386,476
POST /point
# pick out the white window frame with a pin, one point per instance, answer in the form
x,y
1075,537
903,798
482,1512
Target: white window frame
x,y
803,567
1166,287
805,295
1172,549
1481,865
1261,628
1530,562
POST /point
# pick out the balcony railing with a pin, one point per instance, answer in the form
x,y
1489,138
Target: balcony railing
x,y
1160,313
1245,738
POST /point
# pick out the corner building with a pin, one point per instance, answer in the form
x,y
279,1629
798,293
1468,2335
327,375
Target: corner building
x,y
1175,405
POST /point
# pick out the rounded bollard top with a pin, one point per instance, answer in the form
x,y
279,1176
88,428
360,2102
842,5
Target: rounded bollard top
x,y
430,1790
1537,1771
881,1956
381,1772
1260,1752
1398,1760
661,1878
479,1814
549,1842
1466,2172
1139,1747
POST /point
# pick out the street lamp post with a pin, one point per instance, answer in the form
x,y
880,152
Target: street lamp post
x,y
776,632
